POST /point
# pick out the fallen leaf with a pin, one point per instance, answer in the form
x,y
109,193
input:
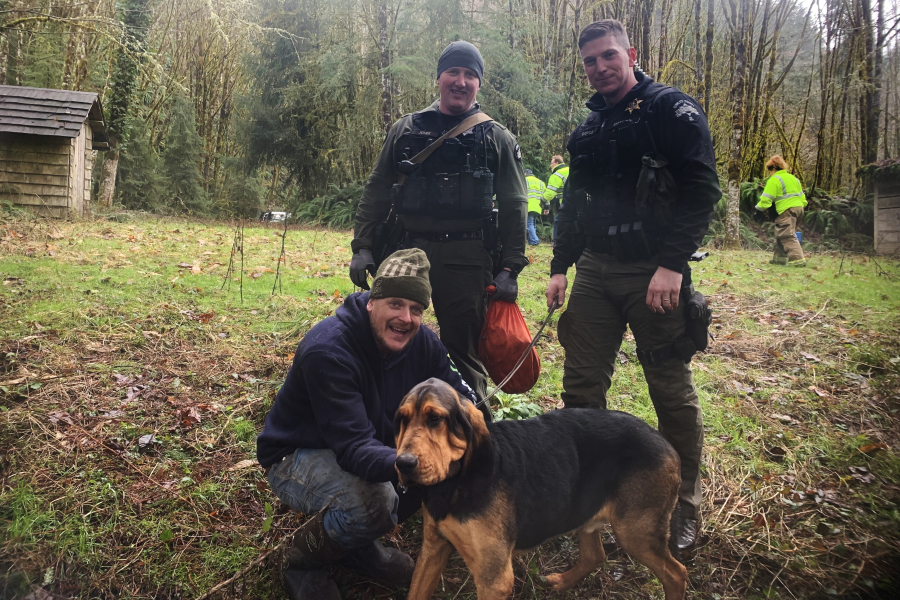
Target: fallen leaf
x,y
759,520
776,453
783,418
862,474
872,448
134,391
58,416
809,356
819,392
189,417
123,380
244,464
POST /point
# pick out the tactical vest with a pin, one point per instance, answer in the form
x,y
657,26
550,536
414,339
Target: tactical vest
x,y
455,182
625,189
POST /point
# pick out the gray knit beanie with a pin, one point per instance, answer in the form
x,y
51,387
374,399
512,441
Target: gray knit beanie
x,y
461,54
403,274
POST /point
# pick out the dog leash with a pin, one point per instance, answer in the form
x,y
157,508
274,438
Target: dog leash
x,y
550,312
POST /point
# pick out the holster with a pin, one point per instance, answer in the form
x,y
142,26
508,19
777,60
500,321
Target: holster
x,y
698,317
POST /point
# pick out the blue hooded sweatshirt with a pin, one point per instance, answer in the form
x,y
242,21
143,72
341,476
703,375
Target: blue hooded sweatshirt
x,y
341,394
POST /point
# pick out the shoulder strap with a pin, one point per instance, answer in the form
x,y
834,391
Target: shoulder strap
x,y
465,125
662,90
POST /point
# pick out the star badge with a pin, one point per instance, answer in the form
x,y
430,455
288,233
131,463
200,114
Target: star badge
x,y
635,105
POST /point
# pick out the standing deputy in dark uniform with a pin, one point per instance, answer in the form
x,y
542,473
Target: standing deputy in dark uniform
x,y
637,204
445,203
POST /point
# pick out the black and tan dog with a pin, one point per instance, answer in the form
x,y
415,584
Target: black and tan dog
x,y
493,489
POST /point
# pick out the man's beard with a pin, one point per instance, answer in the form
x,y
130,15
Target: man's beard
x,y
383,348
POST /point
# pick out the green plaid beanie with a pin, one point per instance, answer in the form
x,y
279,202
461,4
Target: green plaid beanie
x,y
403,274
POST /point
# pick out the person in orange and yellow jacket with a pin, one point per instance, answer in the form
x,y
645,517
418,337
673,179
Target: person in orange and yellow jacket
x,y
785,192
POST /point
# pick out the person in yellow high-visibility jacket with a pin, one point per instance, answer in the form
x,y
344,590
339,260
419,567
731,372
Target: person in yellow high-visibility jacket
x,y
536,205
553,194
786,192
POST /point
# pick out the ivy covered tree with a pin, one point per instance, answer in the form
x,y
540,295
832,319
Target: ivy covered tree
x,y
135,15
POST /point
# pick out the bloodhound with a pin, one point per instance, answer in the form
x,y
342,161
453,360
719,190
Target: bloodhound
x,y
494,489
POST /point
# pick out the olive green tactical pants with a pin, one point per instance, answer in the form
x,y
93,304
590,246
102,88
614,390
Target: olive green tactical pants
x,y
787,247
460,270
608,294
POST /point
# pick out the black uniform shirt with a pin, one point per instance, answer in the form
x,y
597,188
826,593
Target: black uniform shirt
x,y
681,134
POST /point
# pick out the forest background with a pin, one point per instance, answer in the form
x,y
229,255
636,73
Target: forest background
x,y
229,107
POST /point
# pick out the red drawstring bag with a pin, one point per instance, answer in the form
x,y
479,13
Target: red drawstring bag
x,y
504,338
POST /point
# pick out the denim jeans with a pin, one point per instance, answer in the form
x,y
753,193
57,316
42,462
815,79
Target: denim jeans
x,y
532,232
360,511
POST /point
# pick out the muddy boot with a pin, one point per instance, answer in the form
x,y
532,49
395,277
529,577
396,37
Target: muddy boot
x,y
387,565
683,533
305,575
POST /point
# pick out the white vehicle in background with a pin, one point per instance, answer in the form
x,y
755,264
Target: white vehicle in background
x,y
274,216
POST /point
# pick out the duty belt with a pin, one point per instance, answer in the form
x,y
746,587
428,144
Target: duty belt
x,y
456,236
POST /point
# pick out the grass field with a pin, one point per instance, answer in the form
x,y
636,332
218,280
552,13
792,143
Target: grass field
x,y
138,358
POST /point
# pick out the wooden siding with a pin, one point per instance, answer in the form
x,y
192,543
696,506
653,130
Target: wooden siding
x,y
76,173
88,168
887,216
35,171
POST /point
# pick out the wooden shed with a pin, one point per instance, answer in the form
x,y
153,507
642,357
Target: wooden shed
x,y
48,140
887,209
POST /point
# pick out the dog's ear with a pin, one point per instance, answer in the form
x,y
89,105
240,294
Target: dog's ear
x,y
398,425
460,421
479,451
398,414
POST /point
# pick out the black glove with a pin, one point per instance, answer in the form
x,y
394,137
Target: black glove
x,y
507,288
361,263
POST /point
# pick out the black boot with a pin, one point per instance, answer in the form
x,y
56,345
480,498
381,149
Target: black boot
x,y
310,585
305,575
683,532
386,565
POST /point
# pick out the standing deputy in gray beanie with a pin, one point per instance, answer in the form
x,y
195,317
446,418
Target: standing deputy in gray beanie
x,y
328,441
445,205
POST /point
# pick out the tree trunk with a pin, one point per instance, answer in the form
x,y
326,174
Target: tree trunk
x,y
707,77
108,178
646,24
13,55
698,57
385,58
868,124
665,12
875,106
733,210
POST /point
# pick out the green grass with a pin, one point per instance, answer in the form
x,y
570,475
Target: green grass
x,y
113,332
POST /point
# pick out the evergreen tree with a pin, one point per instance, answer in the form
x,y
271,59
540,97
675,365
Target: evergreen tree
x,y
243,193
180,159
140,184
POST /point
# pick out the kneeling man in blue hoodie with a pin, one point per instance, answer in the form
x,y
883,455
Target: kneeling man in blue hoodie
x,y
328,438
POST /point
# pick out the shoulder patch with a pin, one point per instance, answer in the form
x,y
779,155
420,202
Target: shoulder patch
x,y
686,110
518,153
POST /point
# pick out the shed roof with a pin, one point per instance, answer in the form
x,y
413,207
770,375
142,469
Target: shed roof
x,y
57,113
